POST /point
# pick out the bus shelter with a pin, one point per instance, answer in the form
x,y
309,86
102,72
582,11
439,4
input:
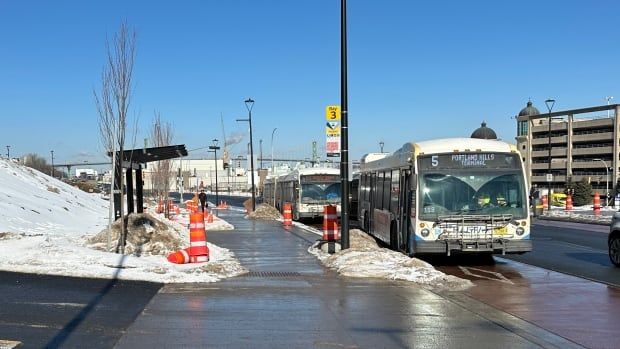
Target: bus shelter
x,y
135,160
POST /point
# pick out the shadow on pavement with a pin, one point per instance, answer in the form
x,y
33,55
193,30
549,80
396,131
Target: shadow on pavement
x,y
70,327
459,259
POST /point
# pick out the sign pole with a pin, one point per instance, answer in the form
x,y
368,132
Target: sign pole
x,y
344,158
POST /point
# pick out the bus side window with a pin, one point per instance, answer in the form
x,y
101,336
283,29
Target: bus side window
x,y
387,184
395,192
379,191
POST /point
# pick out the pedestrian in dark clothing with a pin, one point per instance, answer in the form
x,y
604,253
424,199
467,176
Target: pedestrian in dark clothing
x,y
203,200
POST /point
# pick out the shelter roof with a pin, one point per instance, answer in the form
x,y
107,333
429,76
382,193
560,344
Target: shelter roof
x,y
144,155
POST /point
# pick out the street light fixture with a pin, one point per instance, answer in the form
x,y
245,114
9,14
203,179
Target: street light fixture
x,y
550,103
215,148
608,98
8,152
249,103
606,180
381,144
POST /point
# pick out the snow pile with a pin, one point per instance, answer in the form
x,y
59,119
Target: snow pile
x,y
265,212
145,235
47,226
34,203
579,216
365,258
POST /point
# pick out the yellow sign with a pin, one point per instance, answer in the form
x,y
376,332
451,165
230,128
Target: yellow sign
x,y
332,129
332,113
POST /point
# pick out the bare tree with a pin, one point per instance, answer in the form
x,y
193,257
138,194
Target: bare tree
x,y
113,105
161,136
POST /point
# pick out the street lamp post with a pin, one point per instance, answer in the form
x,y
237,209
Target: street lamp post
x,y
549,103
608,98
52,163
344,127
381,144
8,152
261,153
272,166
215,148
249,103
606,180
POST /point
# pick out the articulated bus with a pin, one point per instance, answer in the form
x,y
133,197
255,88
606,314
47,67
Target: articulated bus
x,y
307,189
447,196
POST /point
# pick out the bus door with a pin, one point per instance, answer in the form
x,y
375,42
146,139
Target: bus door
x,y
403,212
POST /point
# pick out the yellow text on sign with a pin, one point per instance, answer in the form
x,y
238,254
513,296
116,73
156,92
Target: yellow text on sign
x,y
332,113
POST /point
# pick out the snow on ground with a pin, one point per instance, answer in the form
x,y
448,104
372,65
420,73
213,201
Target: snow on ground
x,y
47,227
582,214
365,258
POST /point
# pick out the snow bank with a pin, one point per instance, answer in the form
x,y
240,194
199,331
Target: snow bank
x,y
365,258
49,227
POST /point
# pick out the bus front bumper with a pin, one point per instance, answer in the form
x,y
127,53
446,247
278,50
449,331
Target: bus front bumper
x,y
499,246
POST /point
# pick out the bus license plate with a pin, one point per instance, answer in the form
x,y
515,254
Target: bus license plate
x,y
500,231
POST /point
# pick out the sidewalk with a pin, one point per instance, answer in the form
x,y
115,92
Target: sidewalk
x,y
288,300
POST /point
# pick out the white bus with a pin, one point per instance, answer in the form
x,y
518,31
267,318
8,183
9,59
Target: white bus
x,y
307,189
447,195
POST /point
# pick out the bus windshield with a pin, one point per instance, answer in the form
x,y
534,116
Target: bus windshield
x,y
472,192
320,193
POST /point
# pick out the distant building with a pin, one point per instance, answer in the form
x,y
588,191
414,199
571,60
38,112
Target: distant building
x,y
583,143
85,173
484,132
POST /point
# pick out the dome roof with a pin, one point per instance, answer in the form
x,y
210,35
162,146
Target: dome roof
x,y
529,110
484,132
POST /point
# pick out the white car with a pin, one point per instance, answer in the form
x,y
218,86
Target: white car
x,y
613,241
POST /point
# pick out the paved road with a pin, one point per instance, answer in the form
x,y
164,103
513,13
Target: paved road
x,y
572,248
289,300
42,311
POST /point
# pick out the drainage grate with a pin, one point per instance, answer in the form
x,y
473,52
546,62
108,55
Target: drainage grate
x,y
273,274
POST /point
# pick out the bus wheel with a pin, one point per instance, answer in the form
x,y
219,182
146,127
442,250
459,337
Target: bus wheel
x,y
393,237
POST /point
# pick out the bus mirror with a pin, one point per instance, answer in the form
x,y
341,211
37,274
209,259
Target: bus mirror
x,y
413,181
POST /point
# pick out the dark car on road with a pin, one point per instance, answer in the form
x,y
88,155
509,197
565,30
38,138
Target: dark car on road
x,y
613,241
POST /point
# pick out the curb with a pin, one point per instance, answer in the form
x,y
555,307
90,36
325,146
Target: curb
x,y
574,220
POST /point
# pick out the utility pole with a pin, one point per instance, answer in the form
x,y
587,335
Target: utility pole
x,y
315,155
52,163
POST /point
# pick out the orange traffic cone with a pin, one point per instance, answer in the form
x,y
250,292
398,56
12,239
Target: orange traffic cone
x,y
198,251
330,223
179,257
569,202
597,204
288,214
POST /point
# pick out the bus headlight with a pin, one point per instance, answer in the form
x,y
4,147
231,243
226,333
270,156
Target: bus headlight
x,y
425,232
520,231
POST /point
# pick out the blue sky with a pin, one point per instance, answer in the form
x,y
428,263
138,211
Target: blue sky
x,y
417,69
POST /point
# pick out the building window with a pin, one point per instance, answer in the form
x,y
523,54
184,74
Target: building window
x,y
522,128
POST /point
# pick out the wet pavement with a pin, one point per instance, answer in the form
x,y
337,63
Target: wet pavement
x,y
289,300
580,310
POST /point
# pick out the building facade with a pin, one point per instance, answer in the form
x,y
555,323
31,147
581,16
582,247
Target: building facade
x,y
569,146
